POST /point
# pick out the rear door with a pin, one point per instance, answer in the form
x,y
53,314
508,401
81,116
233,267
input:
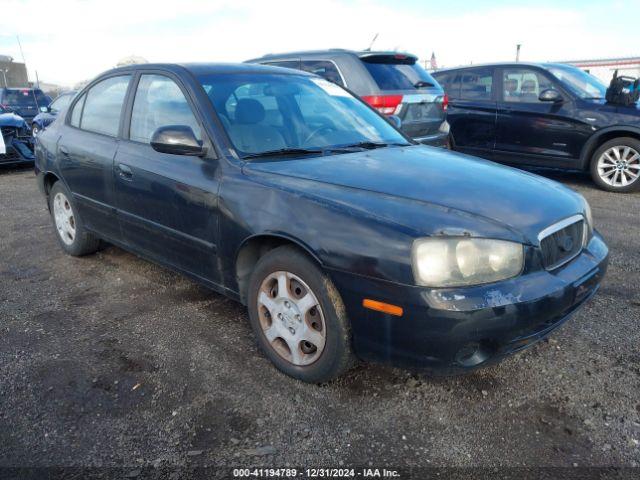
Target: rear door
x,y
86,150
532,132
167,204
472,109
406,89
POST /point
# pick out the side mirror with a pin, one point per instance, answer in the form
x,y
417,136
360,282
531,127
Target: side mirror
x,y
550,95
176,140
394,120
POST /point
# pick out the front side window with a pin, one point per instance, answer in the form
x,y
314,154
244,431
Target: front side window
x,y
103,106
159,102
77,112
475,84
267,112
522,85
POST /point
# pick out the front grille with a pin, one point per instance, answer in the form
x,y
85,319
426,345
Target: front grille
x,y
562,242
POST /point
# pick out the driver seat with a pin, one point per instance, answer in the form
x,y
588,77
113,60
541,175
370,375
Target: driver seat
x,y
248,134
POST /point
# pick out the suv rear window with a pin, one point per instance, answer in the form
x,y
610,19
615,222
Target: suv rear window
x,y
398,72
24,98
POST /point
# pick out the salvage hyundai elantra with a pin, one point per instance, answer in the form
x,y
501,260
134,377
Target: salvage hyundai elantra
x,y
343,238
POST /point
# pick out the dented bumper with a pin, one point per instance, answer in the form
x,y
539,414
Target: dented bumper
x,y
456,329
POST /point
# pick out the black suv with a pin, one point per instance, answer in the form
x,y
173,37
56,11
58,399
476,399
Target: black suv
x,y
544,115
393,83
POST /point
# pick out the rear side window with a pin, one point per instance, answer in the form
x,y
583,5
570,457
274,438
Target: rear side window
x,y
77,112
103,106
159,102
397,72
325,69
476,84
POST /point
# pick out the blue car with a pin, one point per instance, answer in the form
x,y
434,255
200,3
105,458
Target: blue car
x,y
16,145
49,113
344,238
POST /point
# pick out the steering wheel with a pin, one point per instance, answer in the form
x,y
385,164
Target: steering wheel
x,y
316,132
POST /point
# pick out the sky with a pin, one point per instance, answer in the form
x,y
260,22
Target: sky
x,y
68,41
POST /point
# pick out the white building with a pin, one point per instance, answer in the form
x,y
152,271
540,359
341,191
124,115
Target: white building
x,y
603,68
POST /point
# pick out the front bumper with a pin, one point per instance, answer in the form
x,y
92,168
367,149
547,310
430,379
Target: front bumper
x,y
458,329
19,151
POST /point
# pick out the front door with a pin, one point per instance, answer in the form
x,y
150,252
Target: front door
x,y
532,132
167,204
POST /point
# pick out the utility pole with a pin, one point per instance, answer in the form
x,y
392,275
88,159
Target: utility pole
x,y
518,52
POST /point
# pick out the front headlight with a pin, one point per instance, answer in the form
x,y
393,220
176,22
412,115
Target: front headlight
x,y
588,230
456,261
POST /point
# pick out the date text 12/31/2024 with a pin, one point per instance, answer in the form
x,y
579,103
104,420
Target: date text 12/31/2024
x,y
315,473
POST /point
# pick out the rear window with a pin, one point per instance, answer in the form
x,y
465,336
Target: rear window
x,y
25,98
396,72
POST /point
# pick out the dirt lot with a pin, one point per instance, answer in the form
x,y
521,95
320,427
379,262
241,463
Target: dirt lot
x,y
109,360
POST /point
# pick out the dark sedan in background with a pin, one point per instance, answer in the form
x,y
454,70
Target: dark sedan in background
x,y
342,236
544,115
49,113
393,83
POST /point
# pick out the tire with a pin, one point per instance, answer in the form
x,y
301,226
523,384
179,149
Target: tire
x,y
613,171
72,236
35,129
309,314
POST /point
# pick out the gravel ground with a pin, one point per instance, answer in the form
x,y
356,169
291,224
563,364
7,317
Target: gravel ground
x,y
109,360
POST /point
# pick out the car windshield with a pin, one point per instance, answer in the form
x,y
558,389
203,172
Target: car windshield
x,y
278,114
581,83
25,98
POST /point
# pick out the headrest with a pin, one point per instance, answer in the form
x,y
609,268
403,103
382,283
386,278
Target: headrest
x,y
511,85
249,110
528,86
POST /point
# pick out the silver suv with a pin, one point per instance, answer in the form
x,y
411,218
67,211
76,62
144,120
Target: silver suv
x,y
393,83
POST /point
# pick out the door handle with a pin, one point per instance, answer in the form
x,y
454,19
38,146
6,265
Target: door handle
x,y
124,171
64,150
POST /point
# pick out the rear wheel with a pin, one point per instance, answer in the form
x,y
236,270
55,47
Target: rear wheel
x,y
298,317
73,237
615,166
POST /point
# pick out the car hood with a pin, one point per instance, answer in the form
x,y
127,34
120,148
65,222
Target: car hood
x,y
11,120
521,202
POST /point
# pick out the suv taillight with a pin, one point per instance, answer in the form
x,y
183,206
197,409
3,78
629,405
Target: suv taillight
x,y
444,101
385,104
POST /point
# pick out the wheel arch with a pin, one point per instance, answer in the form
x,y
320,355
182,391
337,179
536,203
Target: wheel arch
x,y
602,136
256,246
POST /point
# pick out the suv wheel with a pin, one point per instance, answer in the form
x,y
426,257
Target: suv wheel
x,y
615,166
73,237
298,317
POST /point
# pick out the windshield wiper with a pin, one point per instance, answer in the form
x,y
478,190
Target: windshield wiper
x,y
284,152
371,145
422,83
592,98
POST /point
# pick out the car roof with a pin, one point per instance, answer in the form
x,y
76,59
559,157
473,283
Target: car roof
x,y
543,65
207,68
331,52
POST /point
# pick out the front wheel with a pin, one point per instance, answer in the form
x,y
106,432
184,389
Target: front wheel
x,y
298,317
73,237
615,166
35,129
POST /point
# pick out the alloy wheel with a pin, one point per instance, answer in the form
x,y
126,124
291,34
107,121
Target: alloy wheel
x,y
291,318
619,166
64,218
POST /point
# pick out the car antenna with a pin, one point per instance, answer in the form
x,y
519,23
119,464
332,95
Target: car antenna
x,y
33,92
375,37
